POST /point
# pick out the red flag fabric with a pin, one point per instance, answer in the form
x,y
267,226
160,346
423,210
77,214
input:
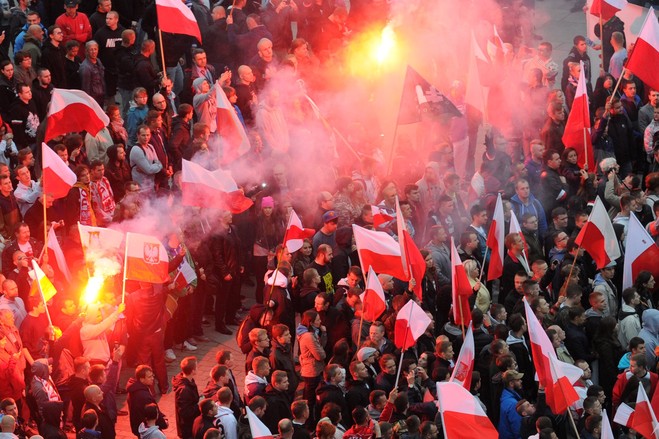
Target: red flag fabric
x,y
598,238
57,177
464,366
73,110
556,376
295,233
495,238
644,420
380,216
461,289
176,18
185,275
146,259
641,253
414,265
234,141
373,300
462,414
257,427
644,59
607,8
379,250
411,323
515,228
56,254
579,121
203,188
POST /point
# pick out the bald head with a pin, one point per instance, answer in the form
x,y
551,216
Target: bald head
x,y
36,31
93,394
8,424
219,12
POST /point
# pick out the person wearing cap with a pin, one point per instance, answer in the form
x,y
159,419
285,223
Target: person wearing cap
x,y
604,284
510,421
327,233
74,24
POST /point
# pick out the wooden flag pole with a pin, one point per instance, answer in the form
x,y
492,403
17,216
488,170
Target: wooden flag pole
x,y
601,44
390,165
162,54
585,147
480,278
123,287
567,281
364,275
462,318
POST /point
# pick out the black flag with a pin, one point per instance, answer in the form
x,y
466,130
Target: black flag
x,y
420,97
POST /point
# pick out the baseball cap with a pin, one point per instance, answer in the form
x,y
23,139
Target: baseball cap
x,y
330,215
71,3
510,375
365,353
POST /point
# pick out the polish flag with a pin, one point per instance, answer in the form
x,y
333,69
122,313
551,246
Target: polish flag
x,y
57,177
373,301
644,59
607,432
462,415
495,238
73,111
99,241
598,238
578,123
41,284
515,228
414,264
380,216
411,323
185,275
607,8
461,289
55,253
624,415
557,377
378,250
641,253
233,137
176,18
217,189
295,233
644,420
146,259
495,47
464,366
257,427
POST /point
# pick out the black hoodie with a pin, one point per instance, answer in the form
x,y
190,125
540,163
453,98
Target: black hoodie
x,y
139,396
186,399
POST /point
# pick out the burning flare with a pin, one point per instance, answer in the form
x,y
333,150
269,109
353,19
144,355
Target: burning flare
x,y
385,47
103,268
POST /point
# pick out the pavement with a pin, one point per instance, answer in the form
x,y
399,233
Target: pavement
x,y
554,22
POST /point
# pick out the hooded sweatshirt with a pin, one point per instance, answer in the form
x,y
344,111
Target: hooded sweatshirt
x,y
254,386
152,432
650,334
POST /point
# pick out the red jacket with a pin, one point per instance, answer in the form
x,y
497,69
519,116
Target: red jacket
x,y
621,383
75,28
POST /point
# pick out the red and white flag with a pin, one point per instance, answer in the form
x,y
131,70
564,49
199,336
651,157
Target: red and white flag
x,y
411,323
607,8
378,250
607,432
176,18
373,301
474,91
598,238
380,216
146,259
233,138
641,253
644,420
557,377
217,189
55,253
464,366
296,233
515,228
414,265
461,289
57,178
624,415
99,241
257,427
185,275
73,111
462,414
495,47
644,59
495,238
577,128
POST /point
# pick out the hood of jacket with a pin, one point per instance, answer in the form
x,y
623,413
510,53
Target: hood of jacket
x,y
52,412
180,380
305,291
593,313
134,386
651,321
211,390
148,432
253,378
301,329
280,280
40,370
514,340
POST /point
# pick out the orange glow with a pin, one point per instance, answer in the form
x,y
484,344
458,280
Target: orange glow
x,y
387,45
374,48
92,290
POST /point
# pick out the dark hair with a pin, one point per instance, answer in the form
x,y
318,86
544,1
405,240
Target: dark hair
x,y
151,412
89,419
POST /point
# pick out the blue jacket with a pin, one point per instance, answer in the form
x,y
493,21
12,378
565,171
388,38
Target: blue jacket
x,y
534,207
510,421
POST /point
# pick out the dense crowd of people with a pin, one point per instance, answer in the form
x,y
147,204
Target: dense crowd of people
x,y
315,367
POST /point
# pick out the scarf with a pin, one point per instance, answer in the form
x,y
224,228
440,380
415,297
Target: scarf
x,y
87,216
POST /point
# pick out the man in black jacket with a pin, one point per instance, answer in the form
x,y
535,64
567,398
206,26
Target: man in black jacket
x,y
228,257
139,396
554,187
94,401
278,399
330,391
53,57
281,357
359,390
186,398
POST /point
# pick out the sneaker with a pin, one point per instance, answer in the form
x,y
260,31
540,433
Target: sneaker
x,y
192,341
189,347
170,356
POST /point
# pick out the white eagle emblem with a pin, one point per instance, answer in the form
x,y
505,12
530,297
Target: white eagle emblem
x,y
151,253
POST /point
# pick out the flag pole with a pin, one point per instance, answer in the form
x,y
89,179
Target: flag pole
x,y
615,89
364,274
601,46
567,282
44,202
390,165
480,278
162,54
402,350
45,304
585,147
123,286
462,319
274,276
